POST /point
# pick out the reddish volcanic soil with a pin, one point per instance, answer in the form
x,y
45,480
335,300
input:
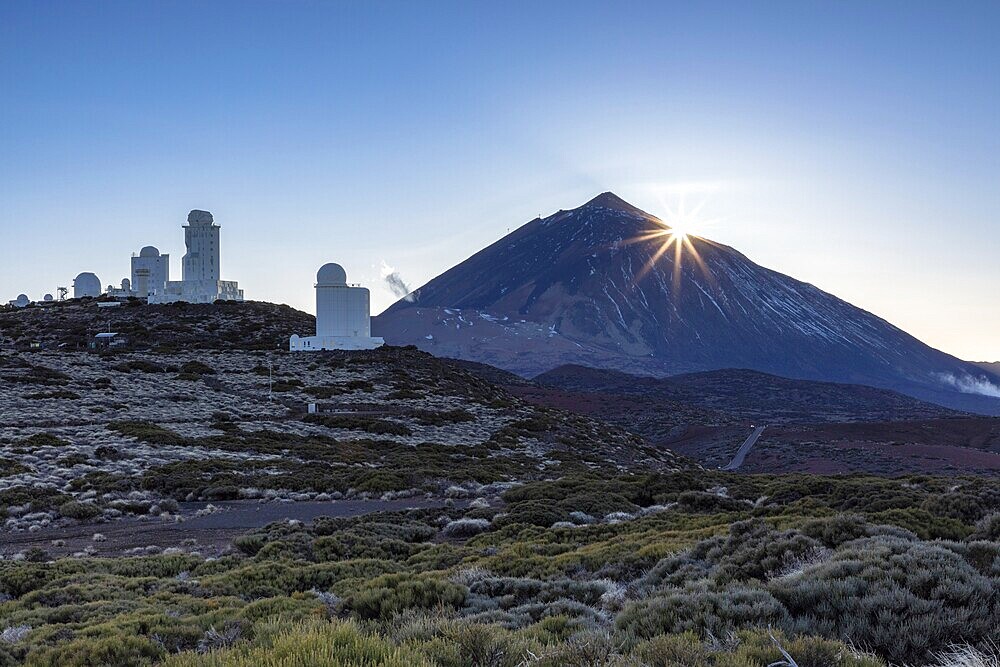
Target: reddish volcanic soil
x,y
941,446
632,410
954,445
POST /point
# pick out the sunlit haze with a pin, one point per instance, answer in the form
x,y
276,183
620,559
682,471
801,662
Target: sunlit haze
x,y
855,146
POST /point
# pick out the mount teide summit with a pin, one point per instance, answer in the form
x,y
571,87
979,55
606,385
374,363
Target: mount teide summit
x,y
593,286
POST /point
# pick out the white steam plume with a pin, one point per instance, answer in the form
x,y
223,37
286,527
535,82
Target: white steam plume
x,y
395,282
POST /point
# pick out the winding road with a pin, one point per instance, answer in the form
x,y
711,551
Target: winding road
x,y
744,449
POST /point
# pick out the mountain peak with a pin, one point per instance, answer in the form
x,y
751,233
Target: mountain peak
x,y
613,201
579,287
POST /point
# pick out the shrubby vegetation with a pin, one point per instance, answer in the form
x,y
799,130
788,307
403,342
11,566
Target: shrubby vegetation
x,y
585,570
372,425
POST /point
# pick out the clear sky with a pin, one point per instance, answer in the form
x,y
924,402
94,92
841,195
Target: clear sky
x,y
853,145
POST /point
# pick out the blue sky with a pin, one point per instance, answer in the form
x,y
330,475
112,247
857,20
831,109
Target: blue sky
x,y
852,145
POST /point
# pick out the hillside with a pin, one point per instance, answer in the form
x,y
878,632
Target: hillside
x,y
230,325
181,506
753,396
813,427
129,431
992,366
597,286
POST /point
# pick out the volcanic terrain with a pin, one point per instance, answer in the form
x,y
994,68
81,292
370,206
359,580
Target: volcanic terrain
x,y
602,286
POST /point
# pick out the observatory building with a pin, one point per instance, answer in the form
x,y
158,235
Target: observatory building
x,y
343,317
86,284
150,272
200,267
22,301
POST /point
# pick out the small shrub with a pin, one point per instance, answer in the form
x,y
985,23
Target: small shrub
x,y
139,365
196,368
79,511
147,432
465,527
44,440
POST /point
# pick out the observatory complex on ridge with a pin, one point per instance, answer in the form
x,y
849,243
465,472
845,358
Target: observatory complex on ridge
x,y
343,316
200,282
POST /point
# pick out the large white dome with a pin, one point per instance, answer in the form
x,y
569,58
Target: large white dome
x,y
87,284
199,217
331,274
149,251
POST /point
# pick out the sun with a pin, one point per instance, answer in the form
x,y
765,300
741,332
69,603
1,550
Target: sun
x,y
675,236
682,222
680,230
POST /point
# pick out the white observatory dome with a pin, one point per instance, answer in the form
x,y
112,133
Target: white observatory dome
x,y
86,284
22,300
149,251
48,297
126,285
199,217
331,274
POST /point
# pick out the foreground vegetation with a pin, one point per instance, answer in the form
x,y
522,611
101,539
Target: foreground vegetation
x,y
689,568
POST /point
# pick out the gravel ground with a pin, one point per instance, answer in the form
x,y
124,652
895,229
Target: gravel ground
x,y
205,528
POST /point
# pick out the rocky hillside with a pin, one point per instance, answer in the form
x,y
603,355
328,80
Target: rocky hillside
x,y
230,325
596,286
87,436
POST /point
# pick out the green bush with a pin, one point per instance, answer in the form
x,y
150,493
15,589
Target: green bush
x,y
196,368
146,432
140,365
899,597
11,467
987,528
78,510
279,643
43,440
535,513
702,610
678,650
359,423
390,594
97,652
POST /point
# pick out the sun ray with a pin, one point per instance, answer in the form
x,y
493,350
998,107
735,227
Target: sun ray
x,y
676,232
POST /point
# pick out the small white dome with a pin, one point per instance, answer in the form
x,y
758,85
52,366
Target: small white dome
x,y
331,274
149,251
126,284
48,297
